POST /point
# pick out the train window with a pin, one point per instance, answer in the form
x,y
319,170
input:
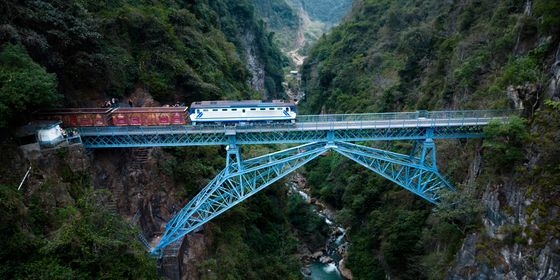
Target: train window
x,y
279,109
243,110
234,109
270,109
262,109
253,109
214,110
224,109
205,110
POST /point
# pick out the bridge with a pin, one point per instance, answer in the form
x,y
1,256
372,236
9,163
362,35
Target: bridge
x,y
241,178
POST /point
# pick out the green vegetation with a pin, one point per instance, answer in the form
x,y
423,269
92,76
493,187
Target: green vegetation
x,y
387,56
412,55
172,49
24,85
256,237
328,11
253,240
280,18
313,18
504,143
67,237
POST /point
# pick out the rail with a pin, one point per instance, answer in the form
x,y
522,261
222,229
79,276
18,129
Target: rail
x,y
320,122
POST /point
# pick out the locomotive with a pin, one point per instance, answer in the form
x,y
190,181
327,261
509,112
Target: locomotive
x,y
247,111
243,112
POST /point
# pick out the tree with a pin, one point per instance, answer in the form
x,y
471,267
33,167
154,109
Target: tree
x,y
24,85
503,145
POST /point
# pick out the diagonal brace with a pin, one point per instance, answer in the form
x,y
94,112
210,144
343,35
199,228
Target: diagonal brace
x,y
417,172
234,184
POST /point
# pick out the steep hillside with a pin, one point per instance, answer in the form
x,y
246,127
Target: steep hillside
x,y
328,11
410,55
282,19
172,50
63,222
297,24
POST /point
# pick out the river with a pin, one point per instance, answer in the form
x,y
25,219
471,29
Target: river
x,y
326,266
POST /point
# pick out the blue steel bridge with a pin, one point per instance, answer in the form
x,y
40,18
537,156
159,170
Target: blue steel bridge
x,y
241,178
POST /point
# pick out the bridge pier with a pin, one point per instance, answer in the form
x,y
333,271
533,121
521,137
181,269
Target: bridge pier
x,y
233,159
240,179
170,262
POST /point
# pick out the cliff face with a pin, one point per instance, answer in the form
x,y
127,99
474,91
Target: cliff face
x,y
59,225
520,235
254,64
409,55
138,185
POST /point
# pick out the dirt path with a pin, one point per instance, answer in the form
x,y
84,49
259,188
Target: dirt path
x,y
300,39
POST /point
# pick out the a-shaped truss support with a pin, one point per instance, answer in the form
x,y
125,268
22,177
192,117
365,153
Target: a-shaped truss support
x,y
240,179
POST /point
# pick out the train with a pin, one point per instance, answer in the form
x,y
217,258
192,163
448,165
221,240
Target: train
x,y
200,113
248,111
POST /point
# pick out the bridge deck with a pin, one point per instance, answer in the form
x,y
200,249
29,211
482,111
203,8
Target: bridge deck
x,y
355,127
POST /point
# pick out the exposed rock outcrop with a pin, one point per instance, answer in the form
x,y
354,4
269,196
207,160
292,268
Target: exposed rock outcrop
x,y
255,66
137,184
344,271
553,90
517,240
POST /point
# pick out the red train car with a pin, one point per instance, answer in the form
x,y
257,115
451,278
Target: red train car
x,y
72,117
149,116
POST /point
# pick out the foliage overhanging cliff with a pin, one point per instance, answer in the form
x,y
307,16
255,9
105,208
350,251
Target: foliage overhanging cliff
x,y
77,53
175,50
411,55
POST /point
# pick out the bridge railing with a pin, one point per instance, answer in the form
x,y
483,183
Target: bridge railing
x,y
483,114
470,114
334,121
356,117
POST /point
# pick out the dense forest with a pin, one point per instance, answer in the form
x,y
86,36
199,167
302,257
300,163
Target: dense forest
x,y
79,53
173,50
410,55
71,219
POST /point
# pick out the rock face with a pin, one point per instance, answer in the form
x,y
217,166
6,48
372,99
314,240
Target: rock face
x,y
255,66
506,261
553,90
516,241
137,185
196,254
489,255
344,271
51,165
140,192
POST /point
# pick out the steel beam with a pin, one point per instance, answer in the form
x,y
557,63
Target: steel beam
x,y
240,179
236,182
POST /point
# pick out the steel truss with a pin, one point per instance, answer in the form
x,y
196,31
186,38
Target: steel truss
x,y
106,137
240,179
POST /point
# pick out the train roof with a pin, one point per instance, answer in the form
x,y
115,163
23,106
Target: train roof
x,y
66,111
241,103
150,109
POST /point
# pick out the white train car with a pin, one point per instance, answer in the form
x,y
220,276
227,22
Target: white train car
x,y
246,111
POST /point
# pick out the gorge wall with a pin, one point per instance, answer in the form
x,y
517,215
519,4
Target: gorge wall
x,y
410,55
80,212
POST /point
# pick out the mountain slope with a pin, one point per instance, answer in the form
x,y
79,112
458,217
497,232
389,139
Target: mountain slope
x,y
411,55
173,50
